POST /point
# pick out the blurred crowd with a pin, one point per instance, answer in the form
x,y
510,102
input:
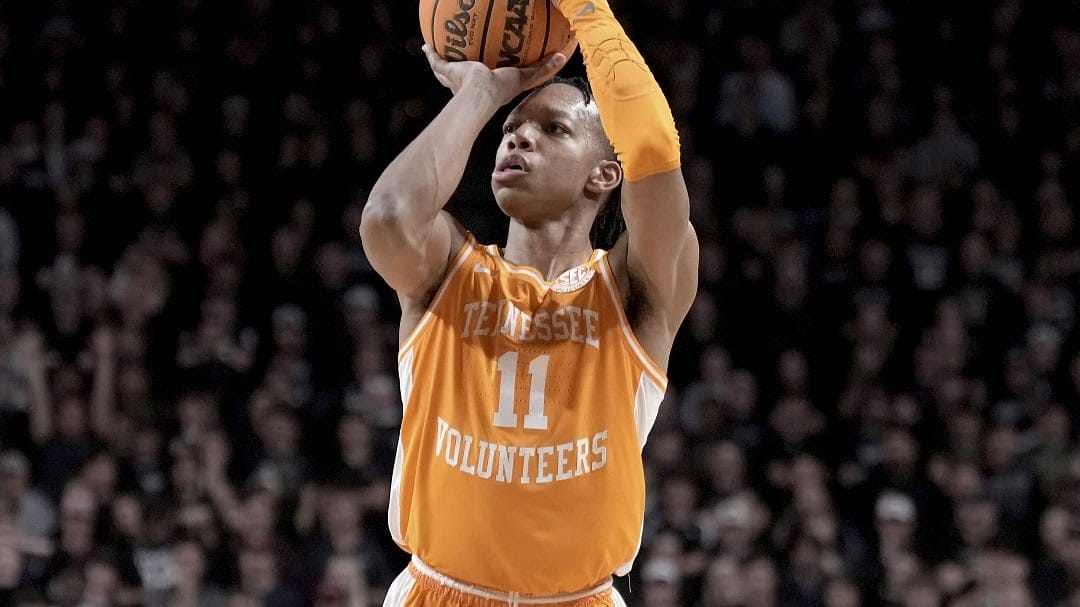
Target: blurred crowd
x,y
874,401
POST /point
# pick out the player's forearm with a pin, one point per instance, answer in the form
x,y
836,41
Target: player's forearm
x,y
420,181
636,116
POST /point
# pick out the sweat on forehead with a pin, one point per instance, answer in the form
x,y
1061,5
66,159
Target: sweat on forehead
x,y
580,84
575,97
566,93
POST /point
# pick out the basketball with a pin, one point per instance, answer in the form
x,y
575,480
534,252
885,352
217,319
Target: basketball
x,y
498,33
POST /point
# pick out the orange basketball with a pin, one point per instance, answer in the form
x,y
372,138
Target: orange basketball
x,y
496,32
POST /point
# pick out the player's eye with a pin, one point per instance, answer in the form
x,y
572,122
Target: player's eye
x,y
557,128
508,128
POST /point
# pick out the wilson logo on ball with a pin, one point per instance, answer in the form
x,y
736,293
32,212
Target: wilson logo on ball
x,y
457,31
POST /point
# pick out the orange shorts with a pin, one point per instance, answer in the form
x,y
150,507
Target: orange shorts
x,y
421,586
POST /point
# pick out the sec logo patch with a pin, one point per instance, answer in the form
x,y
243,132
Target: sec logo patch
x,y
573,279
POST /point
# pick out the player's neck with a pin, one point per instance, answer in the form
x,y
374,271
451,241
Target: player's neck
x,y
551,249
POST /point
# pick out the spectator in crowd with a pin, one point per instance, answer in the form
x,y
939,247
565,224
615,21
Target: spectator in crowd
x,y
29,517
190,586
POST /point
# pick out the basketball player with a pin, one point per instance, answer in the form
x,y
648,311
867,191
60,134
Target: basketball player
x,y
532,373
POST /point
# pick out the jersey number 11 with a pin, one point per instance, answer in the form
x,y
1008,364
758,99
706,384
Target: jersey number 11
x,y
505,416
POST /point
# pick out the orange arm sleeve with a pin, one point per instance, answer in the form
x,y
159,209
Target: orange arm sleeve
x,y
633,109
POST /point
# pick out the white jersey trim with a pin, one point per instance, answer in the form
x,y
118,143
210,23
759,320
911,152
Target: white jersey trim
x,y
393,514
646,407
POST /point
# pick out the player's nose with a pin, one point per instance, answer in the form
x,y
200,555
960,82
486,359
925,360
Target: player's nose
x,y
522,138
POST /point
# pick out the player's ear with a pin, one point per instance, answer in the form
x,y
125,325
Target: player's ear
x,y
605,176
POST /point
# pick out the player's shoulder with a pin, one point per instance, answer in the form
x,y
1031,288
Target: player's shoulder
x,y
460,239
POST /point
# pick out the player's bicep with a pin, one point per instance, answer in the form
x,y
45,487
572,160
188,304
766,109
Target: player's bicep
x,y
412,259
662,247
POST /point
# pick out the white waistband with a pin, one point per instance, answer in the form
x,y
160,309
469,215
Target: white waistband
x,y
510,598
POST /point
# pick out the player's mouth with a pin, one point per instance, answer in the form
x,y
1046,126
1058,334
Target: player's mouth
x,y
513,165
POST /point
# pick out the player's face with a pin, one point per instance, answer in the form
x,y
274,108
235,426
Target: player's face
x,y
548,150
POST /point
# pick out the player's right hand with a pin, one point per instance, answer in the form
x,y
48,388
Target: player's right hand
x,y
503,83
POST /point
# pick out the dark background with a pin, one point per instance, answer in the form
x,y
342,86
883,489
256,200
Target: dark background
x,y
873,401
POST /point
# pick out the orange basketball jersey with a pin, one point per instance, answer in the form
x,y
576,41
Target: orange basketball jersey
x,y
527,404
